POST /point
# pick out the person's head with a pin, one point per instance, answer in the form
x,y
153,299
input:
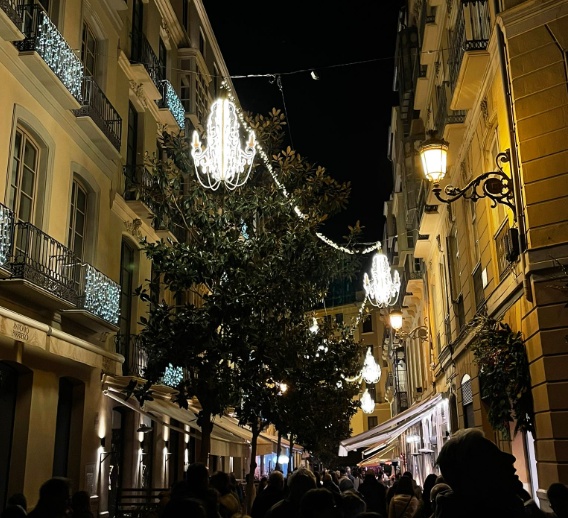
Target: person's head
x,y
184,507
233,479
317,503
348,470
81,501
435,491
299,483
353,505
18,499
429,483
558,498
345,485
13,511
197,477
54,495
404,487
407,474
461,457
370,471
221,482
276,480
334,477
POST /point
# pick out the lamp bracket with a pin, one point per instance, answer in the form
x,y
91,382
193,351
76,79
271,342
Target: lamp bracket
x,y
495,185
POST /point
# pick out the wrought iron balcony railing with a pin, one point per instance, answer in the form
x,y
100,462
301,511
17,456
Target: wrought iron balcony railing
x,y
10,7
171,101
45,262
96,106
6,234
135,359
444,115
42,36
138,184
99,294
143,53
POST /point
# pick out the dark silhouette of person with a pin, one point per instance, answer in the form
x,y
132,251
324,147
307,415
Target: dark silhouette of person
x,y
269,496
429,483
189,507
318,503
558,498
404,503
353,505
54,499
374,493
299,483
18,499
81,504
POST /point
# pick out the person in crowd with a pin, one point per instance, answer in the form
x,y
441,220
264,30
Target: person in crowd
x,y
229,505
81,504
317,474
273,493
188,507
318,503
253,489
18,499
417,488
429,483
374,493
346,485
262,484
459,463
54,499
438,488
404,503
236,488
13,511
349,475
558,498
353,505
299,483
330,485
334,477
196,487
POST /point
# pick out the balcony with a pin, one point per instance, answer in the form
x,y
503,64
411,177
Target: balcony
x,y
450,124
99,120
430,38
172,111
135,359
422,248
137,190
468,57
145,65
430,219
10,21
46,53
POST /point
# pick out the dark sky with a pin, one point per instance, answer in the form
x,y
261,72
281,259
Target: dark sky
x,y
341,121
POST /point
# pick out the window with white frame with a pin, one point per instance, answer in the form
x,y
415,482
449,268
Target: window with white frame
x,y
24,176
78,220
89,51
201,97
185,93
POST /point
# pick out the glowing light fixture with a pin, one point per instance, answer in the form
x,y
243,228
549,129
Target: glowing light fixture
x,y
410,439
396,320
314,328
283,388
283,459
367,403
434,155
371,370
223,161
381,288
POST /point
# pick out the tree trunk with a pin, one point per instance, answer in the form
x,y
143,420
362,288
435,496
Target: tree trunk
x,y
252,468
206,428
291,455
278,448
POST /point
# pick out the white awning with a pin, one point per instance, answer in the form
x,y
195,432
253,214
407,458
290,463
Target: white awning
x,y
263,445
389,429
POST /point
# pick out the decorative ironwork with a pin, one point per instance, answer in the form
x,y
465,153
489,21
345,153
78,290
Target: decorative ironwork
x,y
444,115
98,294
138,185
431,18
143,53
171,101
98,107
135,359
495,185
6,234
10,7
45,262
42,36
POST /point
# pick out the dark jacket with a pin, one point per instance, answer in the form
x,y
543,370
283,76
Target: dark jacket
x,y
453,505
375,495
265,500
284,509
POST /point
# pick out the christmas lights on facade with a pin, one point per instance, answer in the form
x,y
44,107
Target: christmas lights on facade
x,y
371,372
381,287
367,403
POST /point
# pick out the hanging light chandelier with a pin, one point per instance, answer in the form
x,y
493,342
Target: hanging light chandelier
x,y
223,161
371,372
367,403
381,288
314,328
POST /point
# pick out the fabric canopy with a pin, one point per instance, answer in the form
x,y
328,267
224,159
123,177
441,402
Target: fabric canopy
x,y
263,445
385,455
389,429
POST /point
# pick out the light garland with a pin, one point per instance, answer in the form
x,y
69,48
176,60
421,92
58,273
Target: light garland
x,y
172,376
367,403
102,295
6,229
223,161
381,288
371,372
173,103
314,328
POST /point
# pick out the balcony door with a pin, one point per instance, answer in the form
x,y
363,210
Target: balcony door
x,y
78,221
137,28
89,51
24,177
8,395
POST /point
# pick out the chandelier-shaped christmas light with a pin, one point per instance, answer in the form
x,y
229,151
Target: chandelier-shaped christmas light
x,y
381,288
223,161
371,372
314,328
367,403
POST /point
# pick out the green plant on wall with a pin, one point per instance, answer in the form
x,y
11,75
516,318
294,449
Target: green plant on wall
x,y
504,374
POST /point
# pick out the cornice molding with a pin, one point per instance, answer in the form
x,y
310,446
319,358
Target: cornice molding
x,y
531,14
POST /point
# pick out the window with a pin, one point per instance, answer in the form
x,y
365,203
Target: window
x,y
339,318
453,266
163,57
89,51
78,220
372,421
126,280
478,287
215,80
185,15
185,93
132,138
202,45
24,177
502,246
368,325
467,402
201,100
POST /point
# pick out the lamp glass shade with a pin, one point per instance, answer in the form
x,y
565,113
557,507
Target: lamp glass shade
x,y
396,320
434,156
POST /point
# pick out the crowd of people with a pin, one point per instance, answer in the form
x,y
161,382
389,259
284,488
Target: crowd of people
x,y
459,492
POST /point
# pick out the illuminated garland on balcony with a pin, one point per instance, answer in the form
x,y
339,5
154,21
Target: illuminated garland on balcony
x,y
172,376
59,56
102,295
6,226
174,104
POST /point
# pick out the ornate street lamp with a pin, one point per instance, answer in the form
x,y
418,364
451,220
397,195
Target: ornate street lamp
x,y
495,185
367,403
371,372
381,288
223,161
395,318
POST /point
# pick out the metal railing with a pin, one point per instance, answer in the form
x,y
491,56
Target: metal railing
x,y
42,36
96,106
443,113
471,32
10,7
45,262
502,246
138,184
171,101
6,234
99,294
135,359
143,53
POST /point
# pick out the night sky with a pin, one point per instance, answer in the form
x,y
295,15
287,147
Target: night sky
x,y
341,121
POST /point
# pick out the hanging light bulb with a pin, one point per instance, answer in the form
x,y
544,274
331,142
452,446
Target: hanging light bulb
x,y
371,370
367,403
381,288
223,161
314,328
